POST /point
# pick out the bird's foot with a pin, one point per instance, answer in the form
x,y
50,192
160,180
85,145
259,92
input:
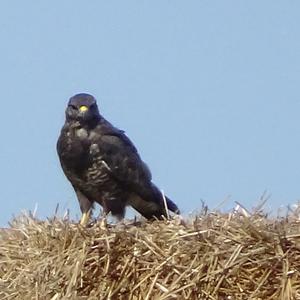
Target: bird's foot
x,y
85,218
103,223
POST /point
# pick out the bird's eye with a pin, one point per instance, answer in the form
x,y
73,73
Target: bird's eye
x,y
73,106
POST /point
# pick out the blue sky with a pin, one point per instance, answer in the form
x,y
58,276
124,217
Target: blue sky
x,y
207,90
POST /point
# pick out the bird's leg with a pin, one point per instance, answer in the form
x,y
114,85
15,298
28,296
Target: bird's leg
x,y
103,223
85,218
86,207
105,212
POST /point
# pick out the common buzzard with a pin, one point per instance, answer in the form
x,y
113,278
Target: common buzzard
x,y
104,166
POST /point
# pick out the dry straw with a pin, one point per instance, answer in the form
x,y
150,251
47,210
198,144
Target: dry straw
x,y
210,256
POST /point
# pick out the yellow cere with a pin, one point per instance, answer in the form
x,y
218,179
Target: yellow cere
x,y
83,108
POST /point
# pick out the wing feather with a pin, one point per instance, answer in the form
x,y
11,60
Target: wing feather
x,y
125,163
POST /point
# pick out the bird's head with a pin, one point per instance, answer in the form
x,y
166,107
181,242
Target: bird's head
x,y
82,108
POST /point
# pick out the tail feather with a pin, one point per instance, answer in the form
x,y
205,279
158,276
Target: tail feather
x,y
172,206
154,208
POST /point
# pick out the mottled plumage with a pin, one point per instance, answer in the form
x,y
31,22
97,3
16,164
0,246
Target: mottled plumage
x,y
103,165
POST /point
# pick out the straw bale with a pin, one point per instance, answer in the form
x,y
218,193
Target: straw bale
x,y
210,256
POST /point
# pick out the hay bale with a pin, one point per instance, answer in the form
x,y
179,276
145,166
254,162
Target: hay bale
x,y
212,256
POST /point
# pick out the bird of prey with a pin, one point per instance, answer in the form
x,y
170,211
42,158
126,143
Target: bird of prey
x,y
104,166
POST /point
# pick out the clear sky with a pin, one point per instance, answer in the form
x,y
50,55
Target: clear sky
x,y
207,90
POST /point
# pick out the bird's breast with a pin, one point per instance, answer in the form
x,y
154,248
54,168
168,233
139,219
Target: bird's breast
x,y
82,158
81,133
73,148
